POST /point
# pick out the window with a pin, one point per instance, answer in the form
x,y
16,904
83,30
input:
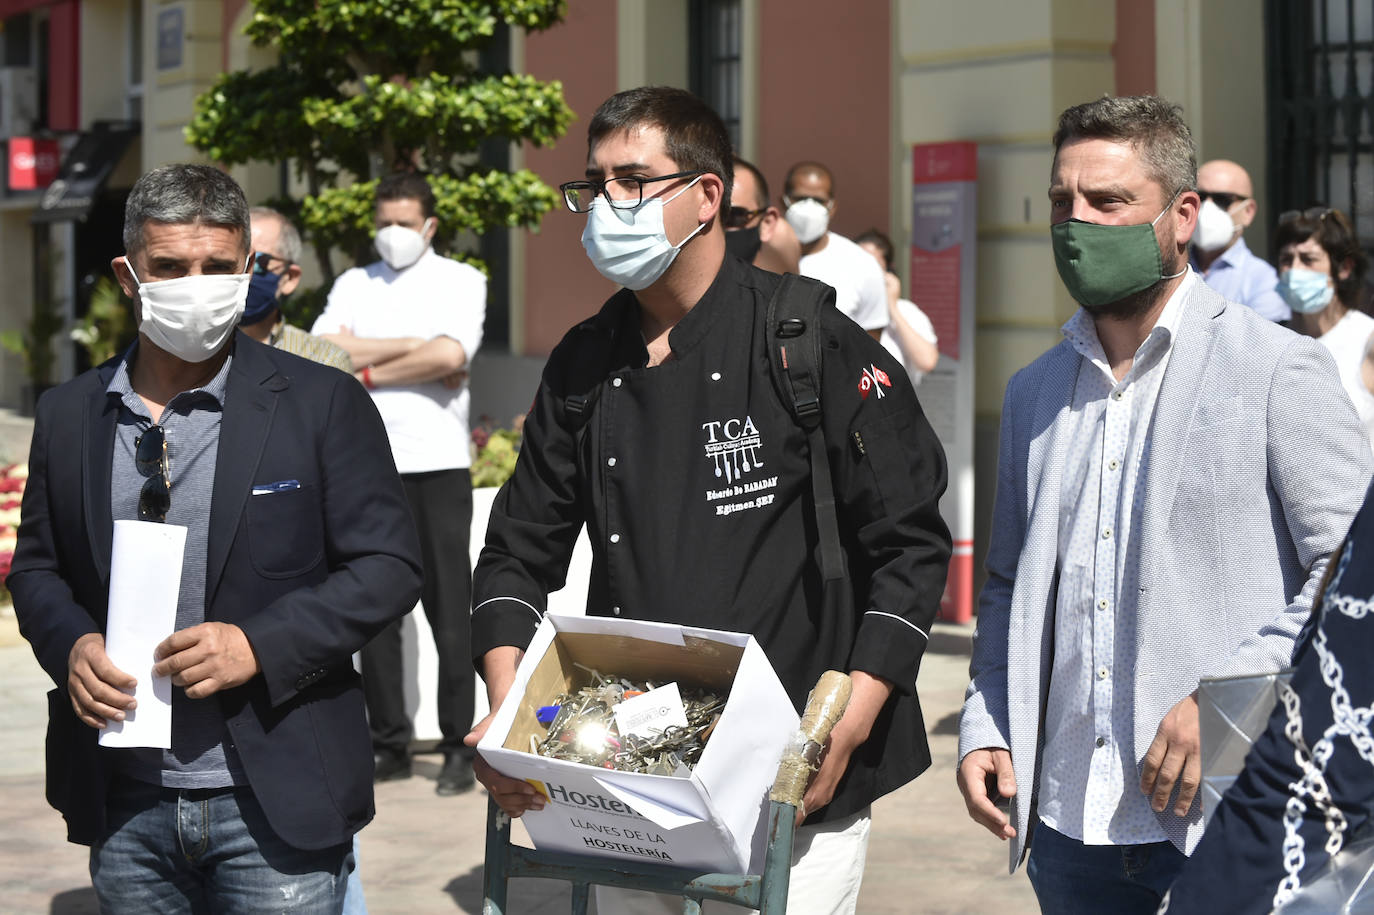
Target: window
x,y
1321,107
715,59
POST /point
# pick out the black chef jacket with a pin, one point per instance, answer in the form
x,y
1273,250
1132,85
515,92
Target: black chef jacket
x,y
693,480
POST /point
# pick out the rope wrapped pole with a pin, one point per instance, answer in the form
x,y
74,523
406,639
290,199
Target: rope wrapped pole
x,y
824,707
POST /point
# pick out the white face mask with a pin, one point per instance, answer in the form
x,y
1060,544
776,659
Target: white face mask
x,y
631,247
1215,228
809,219
191,316
400,247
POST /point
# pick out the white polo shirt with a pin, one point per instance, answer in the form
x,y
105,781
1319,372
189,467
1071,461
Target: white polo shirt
x,y
860,290
428,422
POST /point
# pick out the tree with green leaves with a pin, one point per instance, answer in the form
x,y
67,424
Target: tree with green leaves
x,y
367,87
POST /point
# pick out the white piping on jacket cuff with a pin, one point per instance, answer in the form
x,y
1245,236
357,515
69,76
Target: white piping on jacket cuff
x,y
899,619
523,603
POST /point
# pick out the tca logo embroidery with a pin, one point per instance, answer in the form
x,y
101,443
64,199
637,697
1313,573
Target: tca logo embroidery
x,y
733,446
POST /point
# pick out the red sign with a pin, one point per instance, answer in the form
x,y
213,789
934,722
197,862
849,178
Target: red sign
x,y
943,232
33,163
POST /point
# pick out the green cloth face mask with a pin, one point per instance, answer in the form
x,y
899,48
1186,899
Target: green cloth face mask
x,y
1104,264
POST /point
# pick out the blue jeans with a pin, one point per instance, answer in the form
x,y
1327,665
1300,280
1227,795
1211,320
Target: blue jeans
x,y
170,850
1071,878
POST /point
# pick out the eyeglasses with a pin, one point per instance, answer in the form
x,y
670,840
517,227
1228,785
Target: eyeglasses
x,y
623,193
788,201
262,263
150,457
1223,199
1312,214
739,217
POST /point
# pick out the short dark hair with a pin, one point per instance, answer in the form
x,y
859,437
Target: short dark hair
x,y
814,168
694,136
881,242
1154,127
759,181
407,186
181,195
1333,231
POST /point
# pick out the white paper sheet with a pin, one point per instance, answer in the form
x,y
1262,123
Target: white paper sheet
x,y
145,580
651,713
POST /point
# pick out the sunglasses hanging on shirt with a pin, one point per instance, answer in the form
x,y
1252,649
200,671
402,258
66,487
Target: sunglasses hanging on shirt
x,y
150,458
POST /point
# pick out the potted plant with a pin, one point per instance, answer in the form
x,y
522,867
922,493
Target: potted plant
x,y
34,344
108,328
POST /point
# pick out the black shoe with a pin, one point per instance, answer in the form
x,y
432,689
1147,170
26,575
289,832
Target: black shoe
x,y
390,767
456,775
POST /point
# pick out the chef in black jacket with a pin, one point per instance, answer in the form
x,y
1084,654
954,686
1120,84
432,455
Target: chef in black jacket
x,y
657,425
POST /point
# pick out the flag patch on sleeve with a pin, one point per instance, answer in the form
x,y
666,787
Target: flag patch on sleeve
x,y
873,379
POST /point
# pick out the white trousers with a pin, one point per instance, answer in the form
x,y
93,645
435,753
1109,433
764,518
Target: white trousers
x,y
827,868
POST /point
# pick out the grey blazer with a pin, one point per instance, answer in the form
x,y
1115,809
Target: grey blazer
x,y
1258,465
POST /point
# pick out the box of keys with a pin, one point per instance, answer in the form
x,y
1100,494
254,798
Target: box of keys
x,y
647,740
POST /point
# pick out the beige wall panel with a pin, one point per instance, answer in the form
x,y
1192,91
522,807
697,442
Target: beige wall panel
x,y
1234,115
201,50
1012,182
104,60
171,107
936,27
651,46
1007,101
1014,287
929,31
259,180
165,145
1078,80
1083,20
1001,353
1178,55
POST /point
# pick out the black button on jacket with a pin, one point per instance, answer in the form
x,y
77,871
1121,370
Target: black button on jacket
x,y
693,480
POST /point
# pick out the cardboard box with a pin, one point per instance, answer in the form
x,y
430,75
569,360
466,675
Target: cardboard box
x,y
716,819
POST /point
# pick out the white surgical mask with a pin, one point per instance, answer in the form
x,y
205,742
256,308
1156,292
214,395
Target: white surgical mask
x,y
631,247
191,316
400,247
809,219
1215,228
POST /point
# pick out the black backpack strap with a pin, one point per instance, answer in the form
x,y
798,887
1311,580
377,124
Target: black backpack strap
x,y
594,349
793,333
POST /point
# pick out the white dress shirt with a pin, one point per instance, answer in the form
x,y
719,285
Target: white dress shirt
x,y
434,297
1089,780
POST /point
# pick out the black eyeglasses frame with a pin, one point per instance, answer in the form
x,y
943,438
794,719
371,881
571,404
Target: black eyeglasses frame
x,y
597,186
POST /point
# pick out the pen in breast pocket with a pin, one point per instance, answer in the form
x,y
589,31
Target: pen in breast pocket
x,y
263,489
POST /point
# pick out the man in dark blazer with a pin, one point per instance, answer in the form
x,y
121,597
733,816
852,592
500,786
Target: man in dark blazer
x,y
299,548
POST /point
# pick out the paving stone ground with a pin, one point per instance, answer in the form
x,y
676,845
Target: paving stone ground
x,y
423,854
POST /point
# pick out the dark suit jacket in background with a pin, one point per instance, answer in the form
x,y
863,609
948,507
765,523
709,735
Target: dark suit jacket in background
x,y
309,575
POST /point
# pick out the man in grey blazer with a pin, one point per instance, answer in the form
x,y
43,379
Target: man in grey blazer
x,y
1171,478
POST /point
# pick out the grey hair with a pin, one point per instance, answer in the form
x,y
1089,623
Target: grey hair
x,y
184,194
1154,127
288,238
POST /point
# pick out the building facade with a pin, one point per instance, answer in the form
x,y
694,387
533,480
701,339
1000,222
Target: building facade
x,y
854,85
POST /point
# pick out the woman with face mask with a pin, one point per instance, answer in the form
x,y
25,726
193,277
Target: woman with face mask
x,y
1321,276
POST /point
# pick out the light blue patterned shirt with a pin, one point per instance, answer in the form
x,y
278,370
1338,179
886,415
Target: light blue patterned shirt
x,y
1089,781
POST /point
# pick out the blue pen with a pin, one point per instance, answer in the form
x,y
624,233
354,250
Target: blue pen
x,y
263,489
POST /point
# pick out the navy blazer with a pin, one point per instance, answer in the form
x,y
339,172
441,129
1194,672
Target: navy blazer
x,y
309,575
